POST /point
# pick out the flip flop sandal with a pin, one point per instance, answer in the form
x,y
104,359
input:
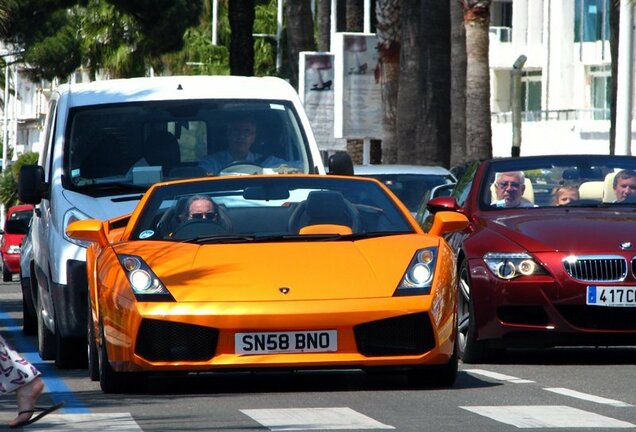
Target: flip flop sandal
x,y
42,411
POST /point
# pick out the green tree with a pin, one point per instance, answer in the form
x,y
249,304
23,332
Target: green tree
x,y
9,179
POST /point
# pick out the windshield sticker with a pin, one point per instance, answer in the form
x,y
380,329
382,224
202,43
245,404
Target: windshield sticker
x,y
277,107
145,234
75,172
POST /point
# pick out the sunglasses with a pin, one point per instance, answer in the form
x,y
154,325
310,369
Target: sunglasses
x,y
505,184
208,215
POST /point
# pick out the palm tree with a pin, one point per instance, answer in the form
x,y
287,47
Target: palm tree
x,y
241,14
478,128
389,42
323,25
458,85
300,34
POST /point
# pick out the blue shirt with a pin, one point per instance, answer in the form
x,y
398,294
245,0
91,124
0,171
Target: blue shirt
x,y
215,162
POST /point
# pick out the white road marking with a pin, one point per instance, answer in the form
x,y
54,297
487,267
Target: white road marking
x,y
556,416
587,397
498,376
313,419
120,422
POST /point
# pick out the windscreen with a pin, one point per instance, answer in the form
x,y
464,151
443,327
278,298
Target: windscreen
x,y
130,146
272,208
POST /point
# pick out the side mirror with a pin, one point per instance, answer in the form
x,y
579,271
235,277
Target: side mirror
x,y
31,185
448,221
442,204
91,230
340,163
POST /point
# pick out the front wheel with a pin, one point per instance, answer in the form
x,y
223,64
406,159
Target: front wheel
x,y
116,382
46,338
471,350
6,274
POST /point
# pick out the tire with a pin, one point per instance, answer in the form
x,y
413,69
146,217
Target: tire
x,y
471,350
91,344
436,375
6,274
116,382
46,338
29,320
69,352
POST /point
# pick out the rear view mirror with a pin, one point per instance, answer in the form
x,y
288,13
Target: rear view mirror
x,y
265,193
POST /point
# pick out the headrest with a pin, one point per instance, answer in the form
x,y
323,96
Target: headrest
x,y
326,205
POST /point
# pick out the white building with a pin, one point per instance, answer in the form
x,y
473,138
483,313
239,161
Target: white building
x,y
566,79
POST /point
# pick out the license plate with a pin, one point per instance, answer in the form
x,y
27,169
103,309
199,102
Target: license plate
x,y
286,342
611,296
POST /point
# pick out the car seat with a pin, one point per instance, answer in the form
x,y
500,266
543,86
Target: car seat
x,y
592,190
161,148
324,207
608,188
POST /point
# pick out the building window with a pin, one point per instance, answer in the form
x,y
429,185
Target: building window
x,y
591,20
601,91
531,92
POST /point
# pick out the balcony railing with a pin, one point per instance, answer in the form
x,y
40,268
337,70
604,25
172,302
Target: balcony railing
x,y
558,115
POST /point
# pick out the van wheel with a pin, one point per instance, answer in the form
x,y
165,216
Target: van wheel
x,y
6,274
69,352
29,320
46,338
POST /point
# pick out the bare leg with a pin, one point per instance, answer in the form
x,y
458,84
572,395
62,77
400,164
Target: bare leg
x,y
27,395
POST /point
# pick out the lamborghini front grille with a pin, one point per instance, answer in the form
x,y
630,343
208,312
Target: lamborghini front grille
x,y
403,335
169,341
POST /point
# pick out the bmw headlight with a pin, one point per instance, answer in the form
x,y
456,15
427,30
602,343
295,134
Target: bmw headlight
x,y
144,283
511,265
418,278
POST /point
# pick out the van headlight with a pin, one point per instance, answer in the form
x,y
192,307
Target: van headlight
x,y
74,215
508,266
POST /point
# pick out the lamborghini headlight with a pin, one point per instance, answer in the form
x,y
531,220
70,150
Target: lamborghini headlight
x,y
511,265
418,278
144,283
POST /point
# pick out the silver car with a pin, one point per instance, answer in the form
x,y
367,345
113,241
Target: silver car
x,y
408,182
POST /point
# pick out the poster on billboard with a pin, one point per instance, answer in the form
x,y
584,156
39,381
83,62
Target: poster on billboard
x,y
316,91
358,97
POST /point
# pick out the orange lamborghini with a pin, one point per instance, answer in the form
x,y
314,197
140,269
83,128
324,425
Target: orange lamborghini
x,y
254,272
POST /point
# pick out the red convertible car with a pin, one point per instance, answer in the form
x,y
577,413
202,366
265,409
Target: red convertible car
x,y
549,256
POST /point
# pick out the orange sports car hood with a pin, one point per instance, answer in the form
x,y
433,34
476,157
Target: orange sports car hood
x,y
262,271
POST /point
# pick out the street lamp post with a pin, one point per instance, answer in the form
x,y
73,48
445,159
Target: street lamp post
x,y
517,68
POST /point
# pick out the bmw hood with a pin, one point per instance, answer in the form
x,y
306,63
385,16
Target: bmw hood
x,y
572,229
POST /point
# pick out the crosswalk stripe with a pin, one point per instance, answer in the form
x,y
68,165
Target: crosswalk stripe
x,y
550,416
290,419
120,422
498,376
588,397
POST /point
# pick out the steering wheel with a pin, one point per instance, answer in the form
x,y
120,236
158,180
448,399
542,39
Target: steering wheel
x,y
241,168
196,228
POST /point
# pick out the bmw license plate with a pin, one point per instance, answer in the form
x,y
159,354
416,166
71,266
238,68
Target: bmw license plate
x,y
611,296
286,342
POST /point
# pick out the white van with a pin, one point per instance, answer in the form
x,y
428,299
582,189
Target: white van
x,y
106,142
